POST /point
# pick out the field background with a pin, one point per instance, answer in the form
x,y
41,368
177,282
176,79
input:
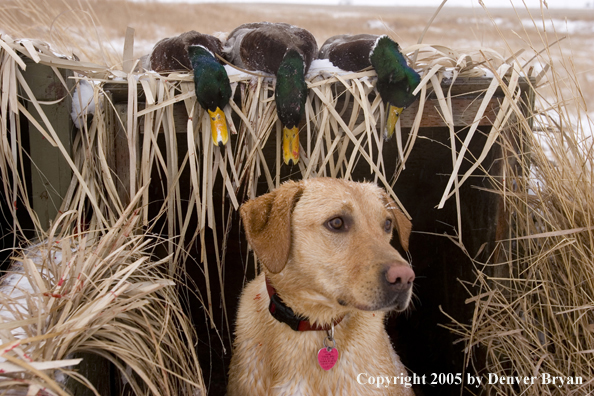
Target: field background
x,y
95,30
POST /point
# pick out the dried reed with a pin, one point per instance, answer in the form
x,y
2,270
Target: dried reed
x,y
533,311
83,292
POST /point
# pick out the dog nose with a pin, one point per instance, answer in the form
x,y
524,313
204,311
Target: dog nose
x,y
400,275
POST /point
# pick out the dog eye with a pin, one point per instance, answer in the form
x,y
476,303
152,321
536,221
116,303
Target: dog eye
x,y
336,224
388,225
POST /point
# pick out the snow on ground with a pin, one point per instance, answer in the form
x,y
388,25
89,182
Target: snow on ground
x,y
407,3
560,25
581,126
376,24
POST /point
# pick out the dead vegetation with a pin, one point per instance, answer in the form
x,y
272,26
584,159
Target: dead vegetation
x,y
535,317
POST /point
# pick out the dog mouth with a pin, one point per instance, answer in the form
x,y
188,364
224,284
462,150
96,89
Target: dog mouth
x,y
400,307
398,302
386,302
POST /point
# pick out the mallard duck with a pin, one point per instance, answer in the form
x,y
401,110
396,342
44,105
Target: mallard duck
x,y
196,51
285,51
396,81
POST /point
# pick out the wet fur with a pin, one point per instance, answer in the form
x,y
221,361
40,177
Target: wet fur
x,y
322,275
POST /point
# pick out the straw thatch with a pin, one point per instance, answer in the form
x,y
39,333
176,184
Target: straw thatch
x,y
535,317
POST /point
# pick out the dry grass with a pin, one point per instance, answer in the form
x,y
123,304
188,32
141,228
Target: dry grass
x,y
100,293
536,316
533,312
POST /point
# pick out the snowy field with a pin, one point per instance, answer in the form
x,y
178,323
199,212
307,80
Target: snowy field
x,y
403,3
503,29
463,25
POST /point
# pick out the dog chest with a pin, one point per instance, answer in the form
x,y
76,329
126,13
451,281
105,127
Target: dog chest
x,y
274,359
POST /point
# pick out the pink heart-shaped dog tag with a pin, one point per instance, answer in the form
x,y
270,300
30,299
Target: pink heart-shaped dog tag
x,y
327,358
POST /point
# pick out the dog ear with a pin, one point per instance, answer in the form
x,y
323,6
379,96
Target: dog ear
x,y
402,223
267,224
404,227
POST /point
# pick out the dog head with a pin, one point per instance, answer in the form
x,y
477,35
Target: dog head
x,y
330,239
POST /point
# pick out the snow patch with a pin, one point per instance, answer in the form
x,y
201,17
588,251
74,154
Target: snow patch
x,y
345,14
501,22
318,67
560,25
83,102
376,24
234,72
17,288
324,68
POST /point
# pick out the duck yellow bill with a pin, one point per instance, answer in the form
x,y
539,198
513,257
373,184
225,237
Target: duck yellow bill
x,y
393,115
290,145
218,127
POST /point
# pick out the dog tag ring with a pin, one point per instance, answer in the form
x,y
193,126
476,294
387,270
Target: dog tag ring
x,y
328,355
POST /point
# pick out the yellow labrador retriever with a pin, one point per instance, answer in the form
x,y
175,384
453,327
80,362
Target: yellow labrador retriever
x,y
312,323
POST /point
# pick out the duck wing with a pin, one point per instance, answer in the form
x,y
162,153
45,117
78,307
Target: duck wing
x,y
262,46
349,52
171,54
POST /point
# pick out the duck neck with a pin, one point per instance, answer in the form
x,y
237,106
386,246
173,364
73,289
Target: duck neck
x,y
386,59
199,56
210,79
291,89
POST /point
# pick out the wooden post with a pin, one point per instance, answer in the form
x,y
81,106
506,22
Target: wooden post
x,y
50,172
121,154
98,370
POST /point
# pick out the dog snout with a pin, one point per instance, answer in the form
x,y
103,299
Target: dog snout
x,y
399,276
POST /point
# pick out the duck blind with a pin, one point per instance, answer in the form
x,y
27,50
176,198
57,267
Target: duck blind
x,y
455,124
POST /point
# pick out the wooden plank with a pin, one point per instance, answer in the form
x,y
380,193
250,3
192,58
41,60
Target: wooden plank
x,y
98,370
465,92
50,172
464,111
119,156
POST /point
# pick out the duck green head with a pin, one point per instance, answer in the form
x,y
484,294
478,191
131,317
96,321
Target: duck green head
x,y
290,96
396,81
213,90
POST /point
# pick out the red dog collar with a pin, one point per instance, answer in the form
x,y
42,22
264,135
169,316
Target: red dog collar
x,y
281,312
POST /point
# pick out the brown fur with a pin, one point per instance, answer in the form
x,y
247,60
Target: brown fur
x,y
324,275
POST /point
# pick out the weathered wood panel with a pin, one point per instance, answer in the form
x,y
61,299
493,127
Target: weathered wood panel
x,y
50,172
